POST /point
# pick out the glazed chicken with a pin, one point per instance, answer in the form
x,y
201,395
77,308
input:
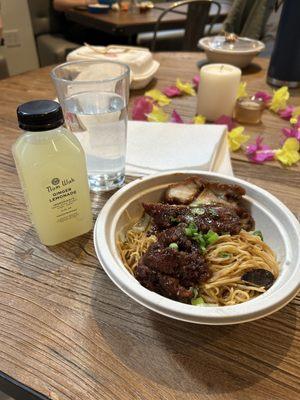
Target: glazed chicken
x,y
175,264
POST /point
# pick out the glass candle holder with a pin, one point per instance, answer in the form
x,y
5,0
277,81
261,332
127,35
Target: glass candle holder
x,y
248,110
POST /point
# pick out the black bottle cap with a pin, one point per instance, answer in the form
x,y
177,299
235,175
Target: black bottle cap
x,y
40,115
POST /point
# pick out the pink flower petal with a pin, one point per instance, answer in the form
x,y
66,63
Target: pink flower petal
x,y
225,120
287,112
264,96
142,106
258,152
262,156
292,132
196,81
171,91
175,117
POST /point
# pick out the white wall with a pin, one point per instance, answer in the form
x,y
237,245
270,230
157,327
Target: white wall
x,y
19,49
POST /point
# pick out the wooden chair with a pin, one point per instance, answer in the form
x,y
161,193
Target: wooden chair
x,y
196,21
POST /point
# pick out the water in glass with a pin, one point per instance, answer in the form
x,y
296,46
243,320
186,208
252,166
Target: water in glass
x,y
99,121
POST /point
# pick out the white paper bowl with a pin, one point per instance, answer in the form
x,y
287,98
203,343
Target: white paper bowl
x,y
239,58
280,228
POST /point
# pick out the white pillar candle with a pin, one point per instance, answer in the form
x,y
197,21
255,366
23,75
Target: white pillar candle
x,y
217,90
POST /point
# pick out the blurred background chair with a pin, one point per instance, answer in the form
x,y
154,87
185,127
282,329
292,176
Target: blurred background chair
x,y
51,45
198,24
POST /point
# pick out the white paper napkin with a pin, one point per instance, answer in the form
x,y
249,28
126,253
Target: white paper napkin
x,y
157,147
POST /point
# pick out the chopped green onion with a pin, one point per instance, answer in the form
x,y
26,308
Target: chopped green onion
x,y
198,302
173,246
258,233
191,229
174,219
198,211
223,254
211,237
188,232
195,292
201,241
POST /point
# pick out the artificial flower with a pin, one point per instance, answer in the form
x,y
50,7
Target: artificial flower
x,y
295,121
141,107
296,112
225,120
258,152
236,138
264,96
295,117
287,112
289,153
158,96
196,81
292,132
172,91
242,90
175,117
279,99
199,119
186,88
157,115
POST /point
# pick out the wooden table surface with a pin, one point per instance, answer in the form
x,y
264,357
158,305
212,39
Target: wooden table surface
x,y
68,332
128,23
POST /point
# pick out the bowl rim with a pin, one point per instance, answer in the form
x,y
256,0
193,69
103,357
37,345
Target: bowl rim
x,y
202,43
248,311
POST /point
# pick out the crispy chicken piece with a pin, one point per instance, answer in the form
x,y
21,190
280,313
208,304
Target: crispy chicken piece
x,y
197,191
183,192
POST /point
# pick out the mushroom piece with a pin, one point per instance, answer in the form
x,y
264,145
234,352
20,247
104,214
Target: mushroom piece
x,y
259,277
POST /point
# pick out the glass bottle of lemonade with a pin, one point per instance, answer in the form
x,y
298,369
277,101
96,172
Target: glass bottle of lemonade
x,y
51,166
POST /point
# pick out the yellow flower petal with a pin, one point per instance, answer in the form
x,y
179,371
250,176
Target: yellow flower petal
x,y
293,120
199,119
236,138
157,95
157,115
242,90
289,153
279,99
186,88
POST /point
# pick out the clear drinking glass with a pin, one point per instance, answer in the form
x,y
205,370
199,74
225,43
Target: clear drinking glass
x,y
94,97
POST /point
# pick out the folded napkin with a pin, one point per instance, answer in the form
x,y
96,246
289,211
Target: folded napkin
x,y
154,147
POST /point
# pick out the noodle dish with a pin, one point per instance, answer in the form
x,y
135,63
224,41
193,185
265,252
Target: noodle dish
x,y
199,246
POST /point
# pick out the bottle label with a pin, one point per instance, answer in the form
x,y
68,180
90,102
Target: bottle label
x,y
63,199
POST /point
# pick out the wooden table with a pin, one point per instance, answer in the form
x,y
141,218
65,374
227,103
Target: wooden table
x,y
69,333
127,23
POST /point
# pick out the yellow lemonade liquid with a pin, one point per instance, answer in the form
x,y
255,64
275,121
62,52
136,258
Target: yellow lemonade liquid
x,y
52,170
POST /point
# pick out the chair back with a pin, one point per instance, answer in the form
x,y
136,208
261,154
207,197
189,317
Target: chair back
x,y
197,18
43,17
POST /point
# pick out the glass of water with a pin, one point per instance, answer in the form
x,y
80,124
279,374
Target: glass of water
x,y
94,97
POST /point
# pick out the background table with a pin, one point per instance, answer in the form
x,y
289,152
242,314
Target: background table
x,y
128,23
69,333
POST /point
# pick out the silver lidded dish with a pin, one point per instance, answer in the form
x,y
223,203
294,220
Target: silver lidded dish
x,y
231,49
